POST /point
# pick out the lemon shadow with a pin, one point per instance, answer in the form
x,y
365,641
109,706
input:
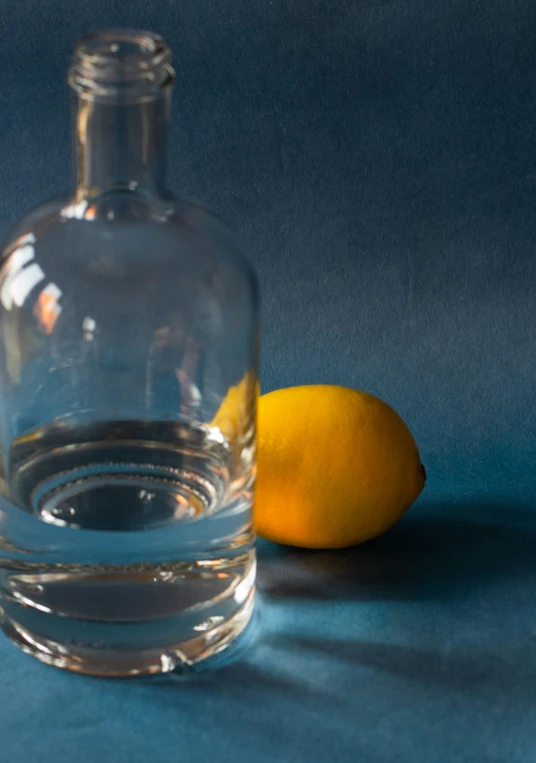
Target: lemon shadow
x,y
430,555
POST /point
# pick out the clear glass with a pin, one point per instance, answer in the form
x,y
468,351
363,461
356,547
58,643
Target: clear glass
x,y
128,387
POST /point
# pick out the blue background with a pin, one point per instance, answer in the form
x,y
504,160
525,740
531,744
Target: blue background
x,y
379,157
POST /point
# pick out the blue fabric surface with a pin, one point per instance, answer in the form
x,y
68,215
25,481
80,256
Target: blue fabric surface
x,y
379,156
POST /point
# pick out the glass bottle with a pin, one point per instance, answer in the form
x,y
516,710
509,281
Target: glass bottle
x,y
128,386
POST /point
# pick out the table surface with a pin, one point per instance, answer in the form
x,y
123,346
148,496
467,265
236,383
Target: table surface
x,y
379,156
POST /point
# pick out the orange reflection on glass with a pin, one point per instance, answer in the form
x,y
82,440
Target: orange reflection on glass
x,y
47,308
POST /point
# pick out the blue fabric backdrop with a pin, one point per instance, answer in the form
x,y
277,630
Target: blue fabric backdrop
x,y
379,157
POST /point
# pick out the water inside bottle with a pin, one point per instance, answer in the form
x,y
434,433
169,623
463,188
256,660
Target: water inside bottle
x,y
143,544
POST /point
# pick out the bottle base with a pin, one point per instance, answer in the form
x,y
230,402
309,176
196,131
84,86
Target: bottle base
x,y
112,663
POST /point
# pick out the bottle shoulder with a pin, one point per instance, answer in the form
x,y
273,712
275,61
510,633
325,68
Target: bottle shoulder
x,y
127,256
130,228
32,225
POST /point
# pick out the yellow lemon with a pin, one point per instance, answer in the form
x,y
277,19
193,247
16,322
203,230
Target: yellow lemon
x,y
236,415
237,405
336,467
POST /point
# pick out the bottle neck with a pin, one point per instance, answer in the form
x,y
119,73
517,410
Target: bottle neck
x,y
122,83
121,145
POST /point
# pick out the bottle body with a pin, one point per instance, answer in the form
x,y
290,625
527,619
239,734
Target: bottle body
x,y
128,385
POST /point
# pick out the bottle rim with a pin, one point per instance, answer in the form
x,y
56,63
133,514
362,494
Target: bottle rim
x,y
120,62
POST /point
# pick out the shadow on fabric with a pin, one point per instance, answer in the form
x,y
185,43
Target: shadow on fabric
x,y
432,556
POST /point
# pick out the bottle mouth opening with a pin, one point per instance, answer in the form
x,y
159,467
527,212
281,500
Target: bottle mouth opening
x,y
120,62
